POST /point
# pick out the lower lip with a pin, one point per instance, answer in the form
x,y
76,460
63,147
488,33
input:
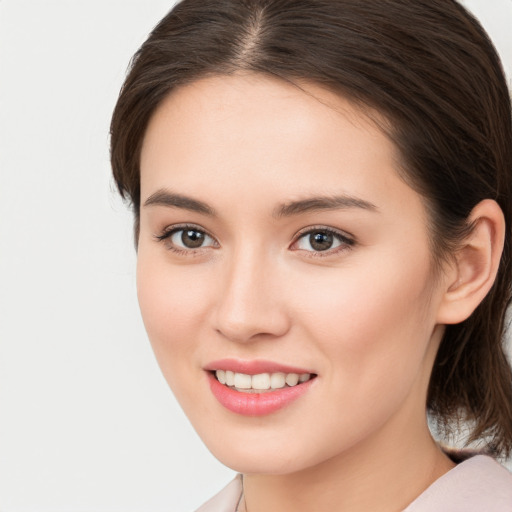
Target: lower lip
x,y
256,404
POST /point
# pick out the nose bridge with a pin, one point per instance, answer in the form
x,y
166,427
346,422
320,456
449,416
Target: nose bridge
x,y
249,301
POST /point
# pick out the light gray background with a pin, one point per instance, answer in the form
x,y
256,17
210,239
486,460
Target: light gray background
x,y
86,420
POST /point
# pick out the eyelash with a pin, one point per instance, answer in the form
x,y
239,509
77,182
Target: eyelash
x,y
169,231
346,242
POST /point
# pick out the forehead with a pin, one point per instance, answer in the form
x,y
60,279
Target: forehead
x,y
219,97
237,135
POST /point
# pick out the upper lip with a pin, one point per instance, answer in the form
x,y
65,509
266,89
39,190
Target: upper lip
x,y
253,367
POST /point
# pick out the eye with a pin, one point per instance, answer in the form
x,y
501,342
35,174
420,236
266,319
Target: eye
x,y
186,238
322,240
190,238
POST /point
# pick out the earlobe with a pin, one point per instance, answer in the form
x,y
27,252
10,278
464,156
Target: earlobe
x,y
475,265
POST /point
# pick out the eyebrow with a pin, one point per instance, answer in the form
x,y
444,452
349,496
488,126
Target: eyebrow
x,y
312,204
170,199
164,197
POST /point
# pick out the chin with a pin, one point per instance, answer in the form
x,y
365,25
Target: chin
x,y
258,461
267,451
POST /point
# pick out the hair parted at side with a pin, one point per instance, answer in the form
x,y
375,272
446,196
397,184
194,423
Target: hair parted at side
x,y
430,69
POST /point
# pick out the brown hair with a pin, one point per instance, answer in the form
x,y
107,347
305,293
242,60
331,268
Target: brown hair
x,y
431,70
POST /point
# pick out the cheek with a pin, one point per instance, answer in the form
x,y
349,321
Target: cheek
x,y
172,305
372,321
374,332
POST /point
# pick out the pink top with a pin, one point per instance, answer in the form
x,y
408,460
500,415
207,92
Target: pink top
x,y
478,484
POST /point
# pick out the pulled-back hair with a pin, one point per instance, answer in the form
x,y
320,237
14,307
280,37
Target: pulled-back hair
x,y
430,69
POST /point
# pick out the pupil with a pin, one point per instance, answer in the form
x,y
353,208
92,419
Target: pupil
x,y
192,238
321,241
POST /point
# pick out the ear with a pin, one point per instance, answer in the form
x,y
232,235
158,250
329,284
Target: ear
x,y
473,271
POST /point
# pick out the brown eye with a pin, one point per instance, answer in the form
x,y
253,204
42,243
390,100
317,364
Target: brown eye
x,y
189,238
192,238
321,240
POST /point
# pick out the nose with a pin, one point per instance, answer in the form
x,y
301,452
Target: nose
x,y
251,301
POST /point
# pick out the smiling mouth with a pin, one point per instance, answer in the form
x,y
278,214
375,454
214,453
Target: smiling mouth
x,y
262,382
257,392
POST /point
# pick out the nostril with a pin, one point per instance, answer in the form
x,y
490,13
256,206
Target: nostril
x,y
253,325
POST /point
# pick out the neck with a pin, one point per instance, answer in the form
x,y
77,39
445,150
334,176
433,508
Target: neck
x,y
380,476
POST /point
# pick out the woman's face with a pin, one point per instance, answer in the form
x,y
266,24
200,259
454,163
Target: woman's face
x,y
278,241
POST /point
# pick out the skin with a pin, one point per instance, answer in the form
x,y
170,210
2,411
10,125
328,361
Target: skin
x,y
365,316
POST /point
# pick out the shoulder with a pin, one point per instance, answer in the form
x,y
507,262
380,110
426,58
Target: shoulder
x,y
226,500
477,484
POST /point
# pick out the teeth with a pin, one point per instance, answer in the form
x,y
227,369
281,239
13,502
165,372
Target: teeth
x,y
277,380
230,378
292,379
221,376
262,381
243,381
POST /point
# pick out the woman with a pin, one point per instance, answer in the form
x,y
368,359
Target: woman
x,y
322,199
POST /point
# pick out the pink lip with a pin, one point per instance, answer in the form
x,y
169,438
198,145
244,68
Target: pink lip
x,y
253,367
255,404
